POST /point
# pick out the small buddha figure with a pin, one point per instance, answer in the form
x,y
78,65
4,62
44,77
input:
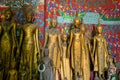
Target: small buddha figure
x,y
112,75
53,43
85,53
30,46
66,72
1,70
74,49
23,73
7,40
34,75
12,73
48,73
100,52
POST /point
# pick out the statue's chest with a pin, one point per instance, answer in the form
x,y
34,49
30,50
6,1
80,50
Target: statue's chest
x,y
100,40
52,34
12,72
29,29
76,33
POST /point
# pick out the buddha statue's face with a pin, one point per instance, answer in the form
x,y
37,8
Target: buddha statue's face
x,y
8,15
53,23
99,29
64,37
46,52
76,23
82,28
29,17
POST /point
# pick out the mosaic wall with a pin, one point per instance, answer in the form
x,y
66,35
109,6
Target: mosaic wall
x,y
65,12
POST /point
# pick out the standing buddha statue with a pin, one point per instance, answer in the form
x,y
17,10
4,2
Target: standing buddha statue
x,y
86,54
7,40
29,44
53,43
66,71
74,49
100,52
12,73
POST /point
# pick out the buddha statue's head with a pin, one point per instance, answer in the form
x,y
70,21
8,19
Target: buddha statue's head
x,y
13,65
77,22
30,17
8,14
53,23
82,28
64,37
99,29
46,52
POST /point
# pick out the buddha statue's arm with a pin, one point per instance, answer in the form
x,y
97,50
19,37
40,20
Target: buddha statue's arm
x,y
106,54
94,46
20,42
14,39
106,47
89,49
70,43
45,43
14,25
59,42
38,45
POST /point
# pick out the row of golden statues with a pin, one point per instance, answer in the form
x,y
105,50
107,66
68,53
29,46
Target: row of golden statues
x,y
67,55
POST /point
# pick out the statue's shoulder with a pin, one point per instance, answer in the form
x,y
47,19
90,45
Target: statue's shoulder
x,y
57,30
47,30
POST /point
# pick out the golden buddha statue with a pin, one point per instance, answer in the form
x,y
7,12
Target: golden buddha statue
x,y
100,51
74,49
53,43
30,44
12,73
23,73
7,40
86,54
66,71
